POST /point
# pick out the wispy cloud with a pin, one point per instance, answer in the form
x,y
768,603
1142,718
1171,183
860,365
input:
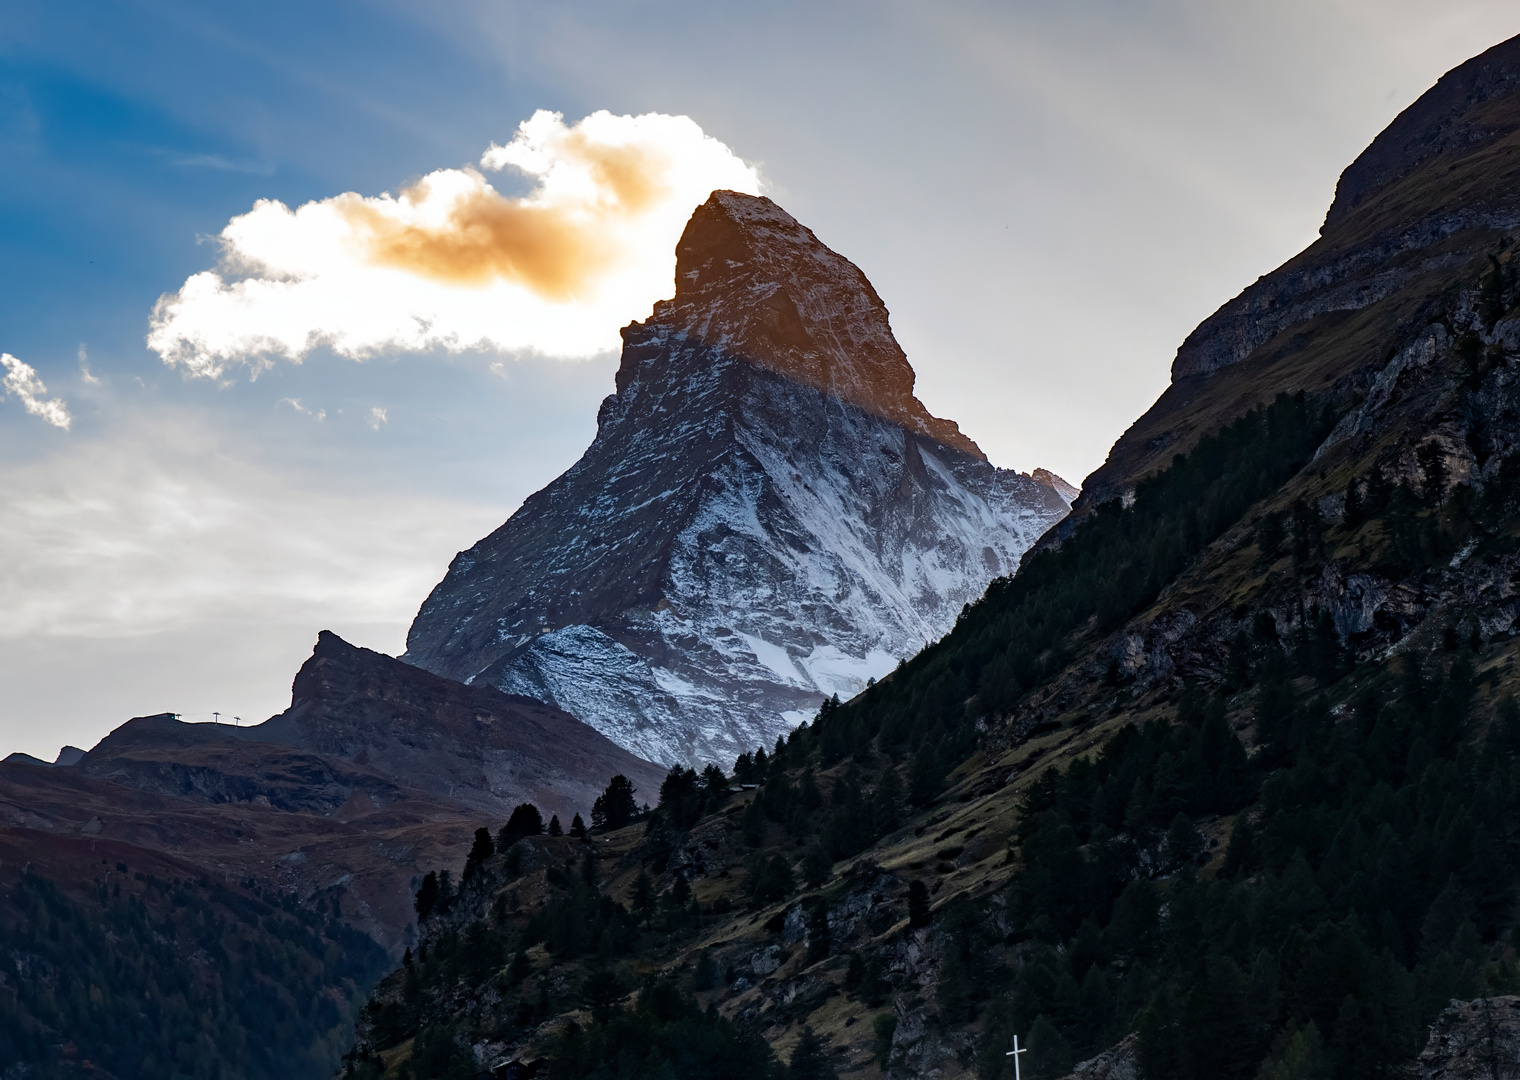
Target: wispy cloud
x,y
224,164
452,262
295,403
85,374
22,382
378,417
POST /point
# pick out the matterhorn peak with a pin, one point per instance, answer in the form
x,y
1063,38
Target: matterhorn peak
x,y
752,279
766,517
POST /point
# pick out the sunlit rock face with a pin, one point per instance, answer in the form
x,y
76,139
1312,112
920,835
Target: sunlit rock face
x,y
767,515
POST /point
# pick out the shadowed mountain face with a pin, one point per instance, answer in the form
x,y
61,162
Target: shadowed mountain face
x,y
365,730
374,769
1420,209
766,517
473,744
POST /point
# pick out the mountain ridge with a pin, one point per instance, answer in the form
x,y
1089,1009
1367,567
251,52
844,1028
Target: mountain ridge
x,y
767,516
815,319
1406,214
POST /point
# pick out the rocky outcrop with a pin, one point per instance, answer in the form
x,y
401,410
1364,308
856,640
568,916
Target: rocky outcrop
x,y
1449,121
767,515
471,744
1478,1039
1118,1062
1425,203
1443,121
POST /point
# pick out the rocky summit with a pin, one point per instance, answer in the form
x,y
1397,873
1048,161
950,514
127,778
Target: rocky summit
x,y
474,745
768,515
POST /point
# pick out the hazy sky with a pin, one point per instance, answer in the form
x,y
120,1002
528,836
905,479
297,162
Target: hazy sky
x,y
1048,196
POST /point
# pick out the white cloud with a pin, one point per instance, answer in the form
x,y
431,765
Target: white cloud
x,y
295,403
22,381
377,417
453,263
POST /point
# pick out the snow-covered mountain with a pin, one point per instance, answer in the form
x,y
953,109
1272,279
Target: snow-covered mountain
x,y
767,515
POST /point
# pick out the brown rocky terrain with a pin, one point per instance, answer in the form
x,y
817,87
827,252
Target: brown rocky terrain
x,y
376,772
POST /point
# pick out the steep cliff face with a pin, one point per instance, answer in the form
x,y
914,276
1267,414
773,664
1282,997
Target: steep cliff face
x,y
1403,319
1418,210
767,515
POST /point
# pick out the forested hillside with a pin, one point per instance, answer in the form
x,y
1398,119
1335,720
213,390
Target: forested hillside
x,y
1300,864
132,975
1222,783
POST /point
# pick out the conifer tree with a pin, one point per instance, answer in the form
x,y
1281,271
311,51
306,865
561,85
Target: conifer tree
x,y
427,897
614,807
481,850
918,903
810,1059
525,821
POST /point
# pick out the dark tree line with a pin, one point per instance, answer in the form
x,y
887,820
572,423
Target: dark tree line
x,y
580,921
1371,878
437,893
175,978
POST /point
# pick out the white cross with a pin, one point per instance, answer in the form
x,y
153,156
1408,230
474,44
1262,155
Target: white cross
x,y
1014,1053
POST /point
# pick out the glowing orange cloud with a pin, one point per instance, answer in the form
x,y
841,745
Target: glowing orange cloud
x,y
452,262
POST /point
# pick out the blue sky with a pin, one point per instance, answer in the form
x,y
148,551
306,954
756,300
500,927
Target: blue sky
x,y
1048,196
